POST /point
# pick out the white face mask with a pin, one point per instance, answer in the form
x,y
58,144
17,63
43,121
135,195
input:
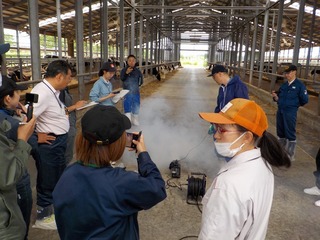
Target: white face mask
x,y
224,148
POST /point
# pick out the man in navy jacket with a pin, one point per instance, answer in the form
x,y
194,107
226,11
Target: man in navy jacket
x,y
291,95
230,88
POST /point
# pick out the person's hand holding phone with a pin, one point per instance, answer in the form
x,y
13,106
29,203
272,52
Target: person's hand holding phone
x,y
26,130
135,142
129,70
140,147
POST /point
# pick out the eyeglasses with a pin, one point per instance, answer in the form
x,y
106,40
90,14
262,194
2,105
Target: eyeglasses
x,y
221,130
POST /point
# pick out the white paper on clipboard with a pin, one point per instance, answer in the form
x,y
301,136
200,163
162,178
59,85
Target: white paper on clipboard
x,y
88,105
120,95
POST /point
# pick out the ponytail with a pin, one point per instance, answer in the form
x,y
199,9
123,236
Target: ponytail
x,y
272,151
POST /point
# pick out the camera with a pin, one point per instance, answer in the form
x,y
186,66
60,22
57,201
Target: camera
x,y
30,99
175,168
130,137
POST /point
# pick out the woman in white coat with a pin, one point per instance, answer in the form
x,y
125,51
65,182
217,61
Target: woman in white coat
x,y
238,203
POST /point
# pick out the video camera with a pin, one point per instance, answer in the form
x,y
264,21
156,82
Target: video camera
x,y
30,99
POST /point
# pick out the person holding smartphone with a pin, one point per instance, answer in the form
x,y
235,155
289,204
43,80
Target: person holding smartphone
x,y
104,200
12,110
132,79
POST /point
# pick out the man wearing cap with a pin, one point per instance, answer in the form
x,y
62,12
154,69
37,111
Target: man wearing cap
x,y
102,89
49,141
229,89
291,95
94,200
132,79
238,203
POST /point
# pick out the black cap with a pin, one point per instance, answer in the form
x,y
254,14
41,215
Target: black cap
x,y
216,69
9,85
109,67
4,48
104,124
290,68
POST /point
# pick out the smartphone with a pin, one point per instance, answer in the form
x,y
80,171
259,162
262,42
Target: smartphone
x,y
30,99
130,137
116,92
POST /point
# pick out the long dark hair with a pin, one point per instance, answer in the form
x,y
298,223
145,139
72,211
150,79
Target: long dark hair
x,y
271,150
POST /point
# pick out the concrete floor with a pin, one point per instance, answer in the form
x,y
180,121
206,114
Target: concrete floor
x,y
173,131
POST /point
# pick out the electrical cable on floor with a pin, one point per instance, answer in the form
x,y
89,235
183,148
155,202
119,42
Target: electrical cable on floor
x,y
173,184
195,146
188,237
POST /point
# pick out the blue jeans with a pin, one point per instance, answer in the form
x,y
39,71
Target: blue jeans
x,y
50,163
25,199
131,103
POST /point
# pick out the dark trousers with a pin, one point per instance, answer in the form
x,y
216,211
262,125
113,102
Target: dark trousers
x,y
50,162
25,199
286,124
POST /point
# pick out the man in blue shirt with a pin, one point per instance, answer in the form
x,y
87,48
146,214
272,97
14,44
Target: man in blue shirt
x,y
291,95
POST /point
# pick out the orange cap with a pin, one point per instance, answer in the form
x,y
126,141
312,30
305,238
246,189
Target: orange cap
x,y
243,112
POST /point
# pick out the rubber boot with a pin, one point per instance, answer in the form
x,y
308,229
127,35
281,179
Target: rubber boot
x,y
128,116
292,149
135,119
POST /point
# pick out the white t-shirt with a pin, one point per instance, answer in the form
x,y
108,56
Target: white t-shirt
x,y
238,203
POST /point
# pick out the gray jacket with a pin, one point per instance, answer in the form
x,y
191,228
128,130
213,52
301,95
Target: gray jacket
x,y
13,160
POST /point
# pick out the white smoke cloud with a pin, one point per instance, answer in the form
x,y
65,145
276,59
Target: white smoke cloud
x,y
173,130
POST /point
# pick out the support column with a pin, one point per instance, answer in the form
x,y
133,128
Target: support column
x,y
121,15
253,48
140,40
104,30
151,45
80,54
298,33
3,64
263,44
59,28
34,38
246,54
147,47
90,38
311,39
132,38
277,45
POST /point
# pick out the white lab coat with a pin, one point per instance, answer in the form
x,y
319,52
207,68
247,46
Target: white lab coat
x,y
238,203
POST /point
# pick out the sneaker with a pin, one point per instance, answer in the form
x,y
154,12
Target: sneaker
x,y
312,191
47,223
317,203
